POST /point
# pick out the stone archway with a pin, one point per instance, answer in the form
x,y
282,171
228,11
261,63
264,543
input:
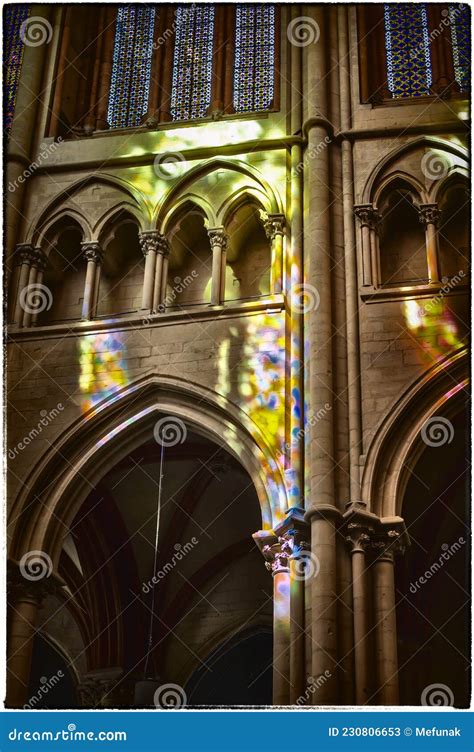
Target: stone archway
x,y
88,450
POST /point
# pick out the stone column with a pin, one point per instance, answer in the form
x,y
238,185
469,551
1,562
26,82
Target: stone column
x,y
92,253
358,536
25,597
161,273
429,215
368,218
293,536
149,246
276,561
30,99
25,254
218,239
391,541
274,225
35,298
45,295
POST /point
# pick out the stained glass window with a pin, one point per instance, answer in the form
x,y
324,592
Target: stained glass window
x,y
192,63
460,25
131,66
254,72
15,16
407,48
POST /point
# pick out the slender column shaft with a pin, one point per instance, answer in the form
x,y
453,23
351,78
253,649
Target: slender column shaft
x,y
366,254
345,623
28,312
26,255
164,278
386,630
92,254
359,590
148,281
297,664
324,609
158,278
218,241
281,637
23,621
432,252
62,63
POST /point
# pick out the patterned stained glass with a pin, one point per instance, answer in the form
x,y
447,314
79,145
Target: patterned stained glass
x,y
192,63
254,72
131,66
407,48
15,16
460,25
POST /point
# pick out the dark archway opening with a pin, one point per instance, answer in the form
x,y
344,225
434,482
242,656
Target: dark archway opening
x,y
51,682
239,672
433,578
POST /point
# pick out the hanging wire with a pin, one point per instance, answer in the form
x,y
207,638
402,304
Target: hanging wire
x,y
155,561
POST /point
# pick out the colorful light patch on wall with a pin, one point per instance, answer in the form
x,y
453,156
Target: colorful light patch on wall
x,y
434,326
102,365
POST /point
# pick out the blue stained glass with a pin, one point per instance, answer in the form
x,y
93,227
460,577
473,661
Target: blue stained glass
x,y
460,25
192,62
254,72
131,66
407,47
13,47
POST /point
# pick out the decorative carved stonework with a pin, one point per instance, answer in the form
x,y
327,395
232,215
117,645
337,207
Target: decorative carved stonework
x,y
273,224
429,214
92,251
219,237
367,215
153,241
39,259
20,588
359,536
25,253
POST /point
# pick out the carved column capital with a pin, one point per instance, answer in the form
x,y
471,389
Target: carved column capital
x,y
391,539
25,253
289,540
31,580
92,251
429,214
152,240
219,237
367,215
39,259
273,224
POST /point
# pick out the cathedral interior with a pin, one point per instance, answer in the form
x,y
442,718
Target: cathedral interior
x,y
237,276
